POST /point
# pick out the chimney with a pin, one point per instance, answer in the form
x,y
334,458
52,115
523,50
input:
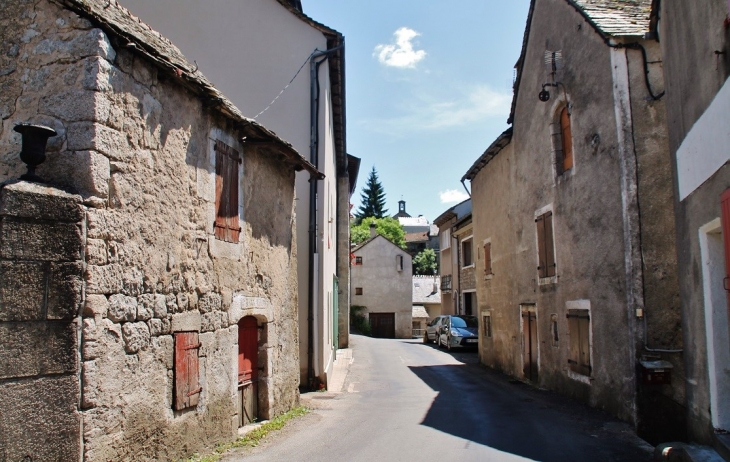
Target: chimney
x,y
372,230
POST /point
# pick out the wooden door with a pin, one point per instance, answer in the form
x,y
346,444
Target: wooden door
x,y
247,370
382,325
529,344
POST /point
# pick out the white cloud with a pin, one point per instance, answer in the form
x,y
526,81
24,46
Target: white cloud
x,y
401,53
467,107
451,196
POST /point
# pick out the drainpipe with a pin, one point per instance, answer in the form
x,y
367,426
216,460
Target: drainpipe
x,y
317,58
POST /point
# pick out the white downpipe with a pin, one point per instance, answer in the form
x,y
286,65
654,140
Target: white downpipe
x,y
315,316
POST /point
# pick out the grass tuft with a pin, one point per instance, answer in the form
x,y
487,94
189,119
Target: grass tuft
x,y
252,438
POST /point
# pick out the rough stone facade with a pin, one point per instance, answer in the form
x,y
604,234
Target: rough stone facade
x,y
137,146
614,249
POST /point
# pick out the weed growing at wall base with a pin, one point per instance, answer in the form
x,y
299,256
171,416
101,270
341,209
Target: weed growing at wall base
x,y
252,438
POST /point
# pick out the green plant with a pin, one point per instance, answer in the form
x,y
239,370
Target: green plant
x,y
388,227
372,199
359,323
425,263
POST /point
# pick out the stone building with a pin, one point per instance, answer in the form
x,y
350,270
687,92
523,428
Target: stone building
x,y
449,257
381,281
695,43
307,109
573,229
149,290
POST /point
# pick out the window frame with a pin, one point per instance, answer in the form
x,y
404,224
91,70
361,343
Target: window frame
x,y
445,241
547,263
358,261
580,340
561,135
470,240
358,290
227,223
487,251
487,324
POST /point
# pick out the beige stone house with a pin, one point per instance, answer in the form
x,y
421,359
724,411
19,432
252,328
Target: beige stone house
x,y
381,282
572,224
150,288
308,112
695,37
426,301
450,258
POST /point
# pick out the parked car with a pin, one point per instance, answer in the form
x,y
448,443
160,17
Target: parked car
x,y
453,331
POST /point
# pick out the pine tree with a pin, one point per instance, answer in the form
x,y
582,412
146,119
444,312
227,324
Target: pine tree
x,y
372,199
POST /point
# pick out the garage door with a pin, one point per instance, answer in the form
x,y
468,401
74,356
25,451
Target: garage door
x,y
382,325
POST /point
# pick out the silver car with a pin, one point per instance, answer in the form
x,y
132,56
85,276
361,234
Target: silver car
x,y
453,331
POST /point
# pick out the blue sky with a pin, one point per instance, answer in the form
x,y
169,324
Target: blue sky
x,y
429,87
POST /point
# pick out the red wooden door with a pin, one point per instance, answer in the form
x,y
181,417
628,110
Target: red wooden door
x,y
247,350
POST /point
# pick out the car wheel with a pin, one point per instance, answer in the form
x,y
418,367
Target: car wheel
x,y
425,338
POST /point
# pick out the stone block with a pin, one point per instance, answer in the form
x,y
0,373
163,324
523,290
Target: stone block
x,y
122,308
73,47
210,322
210,302
96,252
183,302
24,240
22,290
102,338
106,279
145,307
37,348
85,171
75,105
155,326
160,307
90,389
163,349
38,202
90,136
136,336
64,290
171,303
186,322
97,74
39,419
96,306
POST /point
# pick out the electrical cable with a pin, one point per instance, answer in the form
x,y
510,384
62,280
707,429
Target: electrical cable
x,y
287,85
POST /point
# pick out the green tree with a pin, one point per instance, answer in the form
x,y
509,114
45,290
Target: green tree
x,y
372,199
388,227
425,263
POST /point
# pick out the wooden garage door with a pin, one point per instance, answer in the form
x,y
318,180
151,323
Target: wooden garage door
x,y
382,325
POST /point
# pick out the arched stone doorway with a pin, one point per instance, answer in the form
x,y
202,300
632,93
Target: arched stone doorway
x,y
248,345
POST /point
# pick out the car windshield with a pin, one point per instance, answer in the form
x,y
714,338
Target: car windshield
x,y
464,321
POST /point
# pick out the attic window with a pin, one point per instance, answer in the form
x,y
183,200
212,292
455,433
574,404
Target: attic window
x,y
358,260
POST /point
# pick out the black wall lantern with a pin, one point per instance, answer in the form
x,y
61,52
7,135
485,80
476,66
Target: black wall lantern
x,y
33,152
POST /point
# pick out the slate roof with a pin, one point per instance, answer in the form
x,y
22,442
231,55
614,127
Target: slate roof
x,y
419,312
617,17
417,237
129,31
426,289
500,143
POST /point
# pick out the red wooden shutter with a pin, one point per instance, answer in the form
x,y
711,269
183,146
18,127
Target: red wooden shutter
x,y
725,213
542,263
187,387
227,225
567,139
247,350
549,245
488,258
220,198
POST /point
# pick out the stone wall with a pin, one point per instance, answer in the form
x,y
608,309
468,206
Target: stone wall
x,y
138,149
41,276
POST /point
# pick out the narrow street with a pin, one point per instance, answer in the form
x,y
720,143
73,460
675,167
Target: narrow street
x,y
404,400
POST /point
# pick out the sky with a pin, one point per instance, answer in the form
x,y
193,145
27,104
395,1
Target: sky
x,y
428,89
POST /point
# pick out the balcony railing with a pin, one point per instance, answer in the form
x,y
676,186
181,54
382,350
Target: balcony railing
x,y
445,283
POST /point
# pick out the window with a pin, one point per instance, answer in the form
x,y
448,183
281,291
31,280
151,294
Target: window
x,y
399,262
487,323
579,324
445,239
488,259
466,253
227,160
554,328
358,290
566,139
187,386
470,303
545,247
358,260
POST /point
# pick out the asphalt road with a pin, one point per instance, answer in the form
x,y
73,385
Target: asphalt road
x,y
405,401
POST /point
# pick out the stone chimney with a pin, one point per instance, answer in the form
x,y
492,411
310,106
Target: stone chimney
x,y
372,230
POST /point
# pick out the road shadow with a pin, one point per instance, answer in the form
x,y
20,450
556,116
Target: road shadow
x,y
485,407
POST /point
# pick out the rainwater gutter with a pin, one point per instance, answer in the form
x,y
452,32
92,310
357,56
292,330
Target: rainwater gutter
x,y
318,57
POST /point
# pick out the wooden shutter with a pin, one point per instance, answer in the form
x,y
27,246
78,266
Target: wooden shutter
x,y
725,214
549,245
579,331
227,160
187,387
585,352
488,258
567,139
542,263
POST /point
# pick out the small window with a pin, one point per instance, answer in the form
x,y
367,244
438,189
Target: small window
x,y
399,262
445,239
358,290
579,324
487,259
187,386
487,325
466,253
554,329
358,260
545,246
227,160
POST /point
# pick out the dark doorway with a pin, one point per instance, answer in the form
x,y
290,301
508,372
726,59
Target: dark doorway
x,y
382,325
248,340
529,342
